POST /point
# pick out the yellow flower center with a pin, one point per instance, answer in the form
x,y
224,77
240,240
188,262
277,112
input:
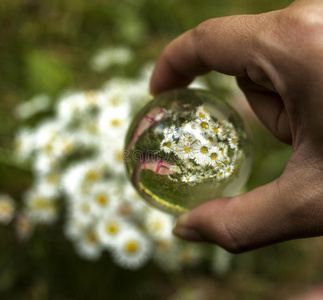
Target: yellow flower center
x,y
157,225
92,129
91,237
52,179
132,247
48,148
68,147
92,175
210,139
205,125
119,156
90,97
213,156
168,144
202,115
5,207
102,199
115,101
85,208
115,122
18,144
39,203
187,149
216,130
112,228
204,150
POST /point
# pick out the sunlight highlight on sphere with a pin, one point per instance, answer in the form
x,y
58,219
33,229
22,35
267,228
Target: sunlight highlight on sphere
x,y
186,147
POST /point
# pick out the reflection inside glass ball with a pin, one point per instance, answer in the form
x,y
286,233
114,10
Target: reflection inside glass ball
x,y
186,147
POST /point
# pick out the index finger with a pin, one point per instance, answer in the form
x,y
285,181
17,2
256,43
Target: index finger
x,y
226,45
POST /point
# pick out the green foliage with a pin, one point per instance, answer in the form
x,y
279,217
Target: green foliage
x,y
46,73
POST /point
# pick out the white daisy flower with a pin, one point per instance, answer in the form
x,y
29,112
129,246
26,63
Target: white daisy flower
x,y
185,150
176,169
201,153
45,135
89,101
203,124
210,140
222,149
215,156
89,246
35,105
74,228
202,113
45,163
69,107
159,224
187,137
130,204
7,209
192,128
109,228
170,132
71,180
24,143
234,143
168,145
114,155
107,57
132,250
103,196
189,178
89,126
113,122
40,208
65,144
48,184
228,170
81,210
115,96
218,129
78,179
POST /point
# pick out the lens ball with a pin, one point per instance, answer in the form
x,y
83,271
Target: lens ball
x,y
186,147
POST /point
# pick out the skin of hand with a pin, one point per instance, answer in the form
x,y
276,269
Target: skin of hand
x,y
277,58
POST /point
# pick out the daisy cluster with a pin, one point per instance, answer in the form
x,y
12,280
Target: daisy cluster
x,y
77,161
204,147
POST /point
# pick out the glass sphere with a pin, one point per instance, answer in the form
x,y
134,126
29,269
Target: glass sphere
x,y
186,147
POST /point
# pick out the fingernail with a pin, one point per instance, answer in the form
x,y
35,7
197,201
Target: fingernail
x,y
186,233
182,220
183,230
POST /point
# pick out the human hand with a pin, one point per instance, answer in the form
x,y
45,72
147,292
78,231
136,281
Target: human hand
x,y
277,58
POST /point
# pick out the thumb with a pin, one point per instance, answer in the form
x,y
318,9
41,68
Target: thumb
x,y
263,216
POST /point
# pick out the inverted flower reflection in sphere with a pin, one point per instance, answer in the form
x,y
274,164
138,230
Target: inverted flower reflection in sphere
x,y
187,147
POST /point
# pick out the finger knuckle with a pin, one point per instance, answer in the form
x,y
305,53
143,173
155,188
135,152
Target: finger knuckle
x,y
232,240
201,31
304,24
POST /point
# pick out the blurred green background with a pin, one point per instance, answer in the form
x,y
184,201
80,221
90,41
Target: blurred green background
x,y
45,47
